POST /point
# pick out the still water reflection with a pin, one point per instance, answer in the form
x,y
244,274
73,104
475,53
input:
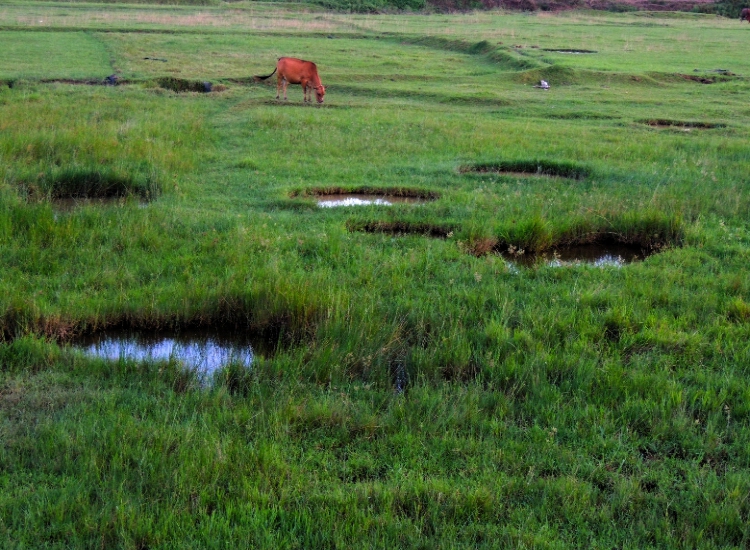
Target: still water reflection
x,y
599,255
200,350
361,199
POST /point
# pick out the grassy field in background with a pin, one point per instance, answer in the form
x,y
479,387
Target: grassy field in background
x,y
542,407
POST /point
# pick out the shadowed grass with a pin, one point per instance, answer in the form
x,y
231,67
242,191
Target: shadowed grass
x,y
530,167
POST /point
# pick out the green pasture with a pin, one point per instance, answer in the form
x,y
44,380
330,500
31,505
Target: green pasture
x,y
423,391
52,55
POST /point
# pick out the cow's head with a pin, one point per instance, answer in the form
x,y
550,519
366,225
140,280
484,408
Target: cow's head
x,y
320,92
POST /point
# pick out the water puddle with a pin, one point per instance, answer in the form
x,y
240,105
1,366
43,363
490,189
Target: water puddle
x,y
202,350
363,199
598,255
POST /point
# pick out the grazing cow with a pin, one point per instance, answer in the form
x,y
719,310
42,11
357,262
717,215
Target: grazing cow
x,y
745,15
297,71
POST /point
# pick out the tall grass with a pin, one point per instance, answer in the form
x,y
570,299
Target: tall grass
x,y
59,145
416,391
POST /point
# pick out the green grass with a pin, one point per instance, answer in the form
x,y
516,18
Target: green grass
x,y
53,55
541,407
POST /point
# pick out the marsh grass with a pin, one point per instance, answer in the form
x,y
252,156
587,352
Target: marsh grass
x,y
421,391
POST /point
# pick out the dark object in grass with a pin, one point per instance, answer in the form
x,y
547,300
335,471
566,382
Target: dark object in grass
x,y
400,378
111,80
156,59
529,168
207,87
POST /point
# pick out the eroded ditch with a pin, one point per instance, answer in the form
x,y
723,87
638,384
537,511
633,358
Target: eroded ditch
x,y
527,168
686,125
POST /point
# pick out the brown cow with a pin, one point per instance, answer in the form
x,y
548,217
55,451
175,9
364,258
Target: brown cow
x,y
745,15
297,71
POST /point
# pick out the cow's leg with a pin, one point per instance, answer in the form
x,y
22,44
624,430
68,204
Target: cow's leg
x,y
284,84
305,89
278,86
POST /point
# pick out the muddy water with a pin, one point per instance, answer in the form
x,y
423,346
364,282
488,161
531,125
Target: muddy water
x,y
360,199
204,351
599,255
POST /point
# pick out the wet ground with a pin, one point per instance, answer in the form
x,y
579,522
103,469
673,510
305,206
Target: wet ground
x,y
204,350
361,199
599,255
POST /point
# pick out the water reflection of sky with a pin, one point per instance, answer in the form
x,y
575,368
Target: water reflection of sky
x,y
205,355
361,199
612,255
352,201
607,260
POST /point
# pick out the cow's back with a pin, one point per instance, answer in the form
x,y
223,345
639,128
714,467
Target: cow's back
x,y
296,70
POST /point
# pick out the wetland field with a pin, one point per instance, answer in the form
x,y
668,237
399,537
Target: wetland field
x,y
446,308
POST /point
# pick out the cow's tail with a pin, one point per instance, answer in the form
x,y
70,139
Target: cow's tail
x,y
258,78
